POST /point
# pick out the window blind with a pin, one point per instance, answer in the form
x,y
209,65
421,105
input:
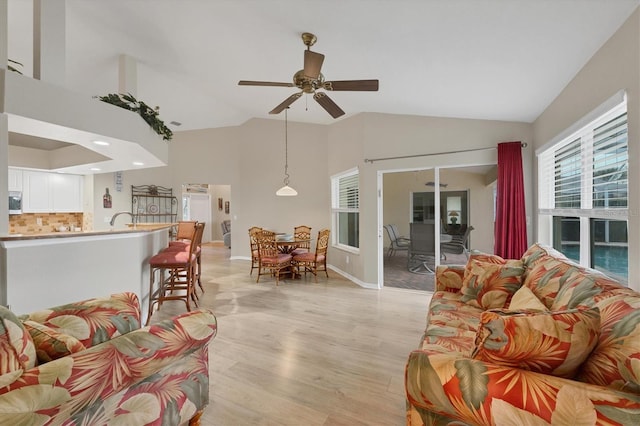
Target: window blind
x,y
568,175
348,194
610,158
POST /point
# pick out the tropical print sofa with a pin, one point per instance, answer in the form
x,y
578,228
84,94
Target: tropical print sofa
x,y
90,363
534,341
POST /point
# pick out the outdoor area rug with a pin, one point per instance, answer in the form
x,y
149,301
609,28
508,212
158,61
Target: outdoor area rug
x,y
397,275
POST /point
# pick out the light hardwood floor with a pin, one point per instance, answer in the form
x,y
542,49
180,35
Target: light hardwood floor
x,y
302,353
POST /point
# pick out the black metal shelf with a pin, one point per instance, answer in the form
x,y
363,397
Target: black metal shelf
x,y
156,204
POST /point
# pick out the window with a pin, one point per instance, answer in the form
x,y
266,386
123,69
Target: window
x,y
423,207
583,194
345,195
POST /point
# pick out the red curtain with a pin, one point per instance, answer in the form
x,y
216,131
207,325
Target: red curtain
x,y
511,220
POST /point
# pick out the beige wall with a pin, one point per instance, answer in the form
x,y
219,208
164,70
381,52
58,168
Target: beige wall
x,y
217,216
250,158
384,135
121,201
616,66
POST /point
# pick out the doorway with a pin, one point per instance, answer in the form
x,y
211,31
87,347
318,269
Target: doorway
x,y
464,196
198,207
208,203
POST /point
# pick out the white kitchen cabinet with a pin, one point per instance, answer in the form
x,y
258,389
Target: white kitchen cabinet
x,y
15,180
51,192
36,192
66,193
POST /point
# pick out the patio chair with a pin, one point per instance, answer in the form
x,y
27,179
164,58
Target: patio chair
x,y
397,242
422,253
457,245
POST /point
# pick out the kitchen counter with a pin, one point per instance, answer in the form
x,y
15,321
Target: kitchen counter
x,y
44,270
140,227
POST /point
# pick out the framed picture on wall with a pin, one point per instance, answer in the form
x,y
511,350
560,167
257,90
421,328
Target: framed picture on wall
x,y
219,203
226,207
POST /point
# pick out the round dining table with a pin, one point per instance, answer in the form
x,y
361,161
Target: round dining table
x,y
287,245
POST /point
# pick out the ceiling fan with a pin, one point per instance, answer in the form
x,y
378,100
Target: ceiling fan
x,y
310,79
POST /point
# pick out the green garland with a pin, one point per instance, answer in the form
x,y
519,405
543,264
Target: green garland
x,y
147,113
129,102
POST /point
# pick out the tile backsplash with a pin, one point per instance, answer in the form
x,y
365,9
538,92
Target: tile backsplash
x,y
28,223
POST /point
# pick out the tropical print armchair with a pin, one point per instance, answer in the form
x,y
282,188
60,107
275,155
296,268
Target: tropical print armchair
x,y
557,344
90,363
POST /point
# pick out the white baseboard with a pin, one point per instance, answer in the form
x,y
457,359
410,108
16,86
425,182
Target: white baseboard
x,y
333,268
354,279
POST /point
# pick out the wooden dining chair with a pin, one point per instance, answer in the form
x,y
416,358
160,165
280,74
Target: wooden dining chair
x,y
271,260
253,245
314,262
302,233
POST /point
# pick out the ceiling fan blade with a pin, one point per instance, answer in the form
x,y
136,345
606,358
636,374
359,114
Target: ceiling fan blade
x,y
312,64
264,83
355,85
291,99
326,103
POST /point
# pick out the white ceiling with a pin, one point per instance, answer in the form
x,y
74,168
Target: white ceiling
x,y
484,59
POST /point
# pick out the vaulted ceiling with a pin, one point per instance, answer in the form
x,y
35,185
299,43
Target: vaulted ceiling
x,y
484,59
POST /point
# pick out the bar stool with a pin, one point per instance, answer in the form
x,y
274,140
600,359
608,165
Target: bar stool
x,y
184,234
177,274
185,243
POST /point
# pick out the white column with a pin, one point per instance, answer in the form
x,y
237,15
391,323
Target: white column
x,y
4,35
49,42
127,75
4,126
4,175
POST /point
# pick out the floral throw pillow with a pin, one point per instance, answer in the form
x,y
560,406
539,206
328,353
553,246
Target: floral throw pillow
x,y
555,343
16,336
490,285
9,359
525,300
486,257
51,344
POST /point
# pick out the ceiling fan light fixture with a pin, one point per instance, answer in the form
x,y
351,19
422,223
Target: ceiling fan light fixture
x,y
286,191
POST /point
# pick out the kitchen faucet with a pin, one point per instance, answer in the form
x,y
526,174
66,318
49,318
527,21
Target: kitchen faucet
x,y
133,218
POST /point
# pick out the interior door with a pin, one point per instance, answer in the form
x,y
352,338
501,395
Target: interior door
x,y
200,209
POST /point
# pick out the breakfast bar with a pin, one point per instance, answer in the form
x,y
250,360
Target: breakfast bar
x,y
41,270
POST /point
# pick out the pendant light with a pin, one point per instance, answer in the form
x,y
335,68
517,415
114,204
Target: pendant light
x,y
286,190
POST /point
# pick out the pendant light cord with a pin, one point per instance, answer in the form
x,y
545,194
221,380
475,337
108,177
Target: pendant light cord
x,y
286,150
